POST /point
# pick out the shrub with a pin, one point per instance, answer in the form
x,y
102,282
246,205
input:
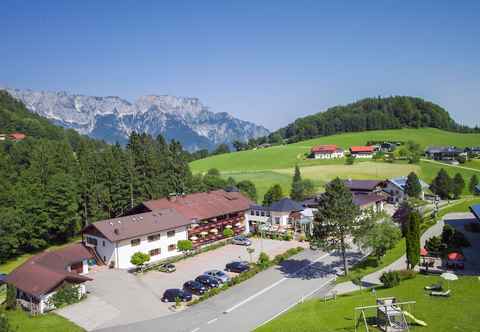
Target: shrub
x,y
460,240
390,279
65,295
287,237
11,301
184,245
227,232
263,260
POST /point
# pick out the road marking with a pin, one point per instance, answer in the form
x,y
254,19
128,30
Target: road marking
x,y
297,302
248,299
195,330
212,321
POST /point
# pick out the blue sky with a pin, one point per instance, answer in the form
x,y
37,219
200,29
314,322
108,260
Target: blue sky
x,y
265,61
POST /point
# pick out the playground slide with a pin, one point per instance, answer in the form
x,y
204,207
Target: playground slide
x,y
416,320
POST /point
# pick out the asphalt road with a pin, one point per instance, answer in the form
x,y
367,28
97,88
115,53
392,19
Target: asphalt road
x,y
253,302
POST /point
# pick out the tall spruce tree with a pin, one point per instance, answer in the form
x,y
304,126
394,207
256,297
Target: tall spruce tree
x,y
442,184
296,193
413,188
472,184
336,219
458,185
412,238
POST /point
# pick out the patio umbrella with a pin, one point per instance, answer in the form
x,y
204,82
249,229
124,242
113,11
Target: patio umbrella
x,y
203,233
194,238
238,224
423,252
214,230
449,277
455,256
228,226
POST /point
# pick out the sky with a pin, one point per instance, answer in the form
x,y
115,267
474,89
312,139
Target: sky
x,y
269,62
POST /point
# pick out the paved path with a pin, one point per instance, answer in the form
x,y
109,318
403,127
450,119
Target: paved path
x,y
255,301
456,166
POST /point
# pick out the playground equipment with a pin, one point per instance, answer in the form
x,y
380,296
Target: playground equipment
x,y
390,315
415,319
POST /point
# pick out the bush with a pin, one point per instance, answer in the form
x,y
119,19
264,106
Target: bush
x,y
65,295
460,240
390,279
11,301
263,260
287,237
227,232
139,259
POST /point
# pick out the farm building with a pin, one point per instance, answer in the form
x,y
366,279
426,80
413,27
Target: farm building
x,y
330,151
362,151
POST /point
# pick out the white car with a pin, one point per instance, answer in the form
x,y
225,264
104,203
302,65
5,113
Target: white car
x,y
241,240
219,275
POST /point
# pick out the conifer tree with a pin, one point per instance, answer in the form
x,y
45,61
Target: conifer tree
x,y
413,188
442,184
458,185
472,184
296,193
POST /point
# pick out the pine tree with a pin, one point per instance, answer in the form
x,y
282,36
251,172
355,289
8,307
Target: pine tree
x,y
336,219
412,238
296,193
413,188
442,184
458,185
472,184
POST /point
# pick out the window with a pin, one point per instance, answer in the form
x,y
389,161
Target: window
x,y
103,243
257,213
268,213
277,220
172,247
154,252
263,213
92,241
171,233
252,212
152,238
135,242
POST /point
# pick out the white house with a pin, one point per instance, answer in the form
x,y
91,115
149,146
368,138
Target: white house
x,y
396,189
281,213
330,151
362,151
39,278
155,233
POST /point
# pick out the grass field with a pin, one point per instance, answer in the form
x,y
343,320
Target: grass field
x,y
44,323
457,313
287,156
274,165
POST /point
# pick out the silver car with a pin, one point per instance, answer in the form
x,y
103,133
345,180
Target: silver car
x,y
241,240
219,275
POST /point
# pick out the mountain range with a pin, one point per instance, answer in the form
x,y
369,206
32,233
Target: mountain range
x,y
113,119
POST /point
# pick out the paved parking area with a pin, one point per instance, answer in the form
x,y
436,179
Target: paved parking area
x,y
117,297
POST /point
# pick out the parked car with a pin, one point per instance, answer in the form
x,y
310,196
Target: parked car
x,y
237,267
219,275
168,267
241,240
195,287
208,281
170,295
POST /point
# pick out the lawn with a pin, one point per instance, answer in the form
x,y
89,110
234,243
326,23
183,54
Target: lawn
x,y
12,264
286,156
43,323
457,313
473,164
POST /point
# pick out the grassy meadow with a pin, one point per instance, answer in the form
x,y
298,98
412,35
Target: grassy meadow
x,y
49,322
441,314
273,165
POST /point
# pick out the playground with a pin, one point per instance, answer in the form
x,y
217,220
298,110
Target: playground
x,y
414,309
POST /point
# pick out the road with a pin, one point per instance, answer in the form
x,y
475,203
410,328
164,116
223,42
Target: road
x,y
255,301
445,164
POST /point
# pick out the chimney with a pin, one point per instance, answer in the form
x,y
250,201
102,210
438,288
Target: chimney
x,y
116,231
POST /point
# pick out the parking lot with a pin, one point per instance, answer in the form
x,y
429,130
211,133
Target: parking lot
x,y
117,297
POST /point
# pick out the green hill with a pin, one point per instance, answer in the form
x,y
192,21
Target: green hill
x,y
275,165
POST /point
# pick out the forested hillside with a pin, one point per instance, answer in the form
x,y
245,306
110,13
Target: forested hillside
x,y
55,181
371,114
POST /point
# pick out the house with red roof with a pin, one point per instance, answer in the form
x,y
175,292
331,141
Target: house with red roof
x,y
39,278
327,151
362,151
155,227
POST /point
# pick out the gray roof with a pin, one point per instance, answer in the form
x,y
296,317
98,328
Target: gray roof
x,y
128,227
401,181
443,149
286,205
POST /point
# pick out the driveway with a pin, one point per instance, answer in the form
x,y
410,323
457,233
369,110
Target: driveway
x,y
117,297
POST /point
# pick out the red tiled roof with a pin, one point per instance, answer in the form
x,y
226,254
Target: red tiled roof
x,y
17,136
361,149
328,148
128,227
203,205
43,272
